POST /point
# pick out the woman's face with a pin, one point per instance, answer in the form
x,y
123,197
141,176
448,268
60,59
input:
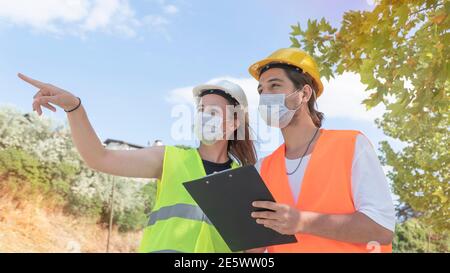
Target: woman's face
x,y
219,106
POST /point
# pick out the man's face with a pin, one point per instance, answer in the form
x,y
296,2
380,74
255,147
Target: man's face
x,y
275,81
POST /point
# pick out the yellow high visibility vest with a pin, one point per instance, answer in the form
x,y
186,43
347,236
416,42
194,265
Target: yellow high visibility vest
x,y
176,223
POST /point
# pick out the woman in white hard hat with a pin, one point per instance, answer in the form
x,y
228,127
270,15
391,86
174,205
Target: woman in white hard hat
x,y
176,223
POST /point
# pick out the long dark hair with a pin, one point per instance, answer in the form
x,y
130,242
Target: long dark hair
x,y
243,149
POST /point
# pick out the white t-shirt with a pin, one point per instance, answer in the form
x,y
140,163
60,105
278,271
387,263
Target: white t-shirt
x,y
370,189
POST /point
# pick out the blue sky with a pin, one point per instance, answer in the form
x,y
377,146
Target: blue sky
x,y
129,61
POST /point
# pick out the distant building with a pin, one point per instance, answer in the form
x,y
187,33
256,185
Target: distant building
x,y
120,145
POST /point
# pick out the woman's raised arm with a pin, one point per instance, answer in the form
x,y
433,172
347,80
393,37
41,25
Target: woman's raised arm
x,y
145,163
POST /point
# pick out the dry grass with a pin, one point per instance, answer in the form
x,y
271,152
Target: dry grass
x,y
29,226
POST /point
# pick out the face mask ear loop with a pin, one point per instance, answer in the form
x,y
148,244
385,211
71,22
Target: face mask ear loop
x,y
315,99
301,103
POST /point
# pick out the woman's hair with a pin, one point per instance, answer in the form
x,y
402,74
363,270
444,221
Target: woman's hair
x,y
300,79
243,149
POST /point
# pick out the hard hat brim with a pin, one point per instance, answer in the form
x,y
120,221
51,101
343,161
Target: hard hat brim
x,y
197,91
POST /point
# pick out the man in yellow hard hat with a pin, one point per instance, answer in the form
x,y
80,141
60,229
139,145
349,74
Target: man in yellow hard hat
x,y
329,187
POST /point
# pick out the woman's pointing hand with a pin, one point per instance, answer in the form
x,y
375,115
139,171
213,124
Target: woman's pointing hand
x,y
49,95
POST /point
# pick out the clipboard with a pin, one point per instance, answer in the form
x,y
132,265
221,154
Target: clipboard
x,y
226,198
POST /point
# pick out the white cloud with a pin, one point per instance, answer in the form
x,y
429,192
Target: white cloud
x,y
112,16
79,17
106,12
372,2
155,21
45,14
342,98
180,95
170,9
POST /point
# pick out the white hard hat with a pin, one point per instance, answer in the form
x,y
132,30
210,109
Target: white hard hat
x,y
230,88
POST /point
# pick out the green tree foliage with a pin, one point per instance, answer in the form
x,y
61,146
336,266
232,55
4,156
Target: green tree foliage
x,y
401,50
38,157
413,236
17,165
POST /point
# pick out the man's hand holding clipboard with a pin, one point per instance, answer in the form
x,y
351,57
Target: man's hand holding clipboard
x,y
227,199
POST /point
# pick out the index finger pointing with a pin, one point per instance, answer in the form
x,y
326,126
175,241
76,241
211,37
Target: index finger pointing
x,y
31,81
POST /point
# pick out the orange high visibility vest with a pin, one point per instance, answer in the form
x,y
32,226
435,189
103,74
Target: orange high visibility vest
x,y
326,188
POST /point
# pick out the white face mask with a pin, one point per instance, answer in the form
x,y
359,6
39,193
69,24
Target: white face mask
x,y
273,110
208,128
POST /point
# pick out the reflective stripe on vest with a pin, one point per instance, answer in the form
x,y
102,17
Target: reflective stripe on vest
x,y
326,188
185,211
166,251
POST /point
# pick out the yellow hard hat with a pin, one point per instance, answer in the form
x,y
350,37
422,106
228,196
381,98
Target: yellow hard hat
x,y
294,57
